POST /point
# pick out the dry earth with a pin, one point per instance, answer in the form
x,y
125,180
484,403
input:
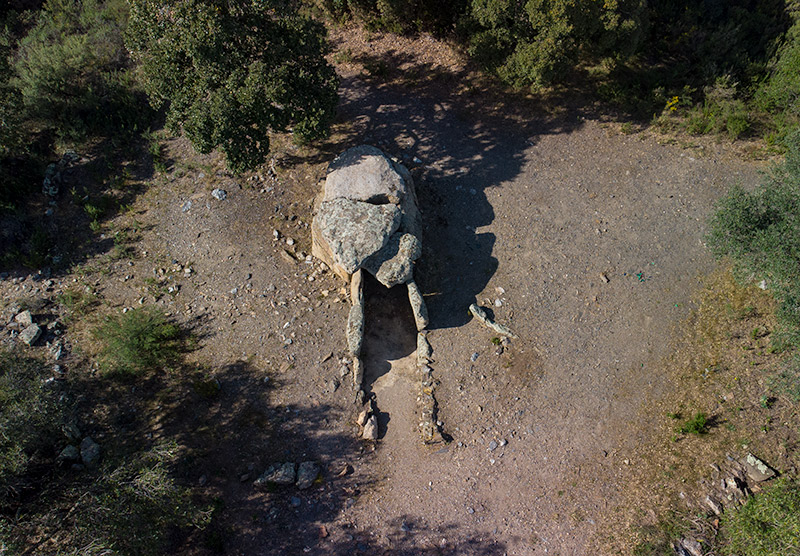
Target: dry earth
x,y
585,241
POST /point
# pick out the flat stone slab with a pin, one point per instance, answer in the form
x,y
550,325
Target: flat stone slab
x,y
393,264
354,230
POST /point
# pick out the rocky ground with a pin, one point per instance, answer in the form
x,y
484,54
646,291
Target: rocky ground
x,y
585,241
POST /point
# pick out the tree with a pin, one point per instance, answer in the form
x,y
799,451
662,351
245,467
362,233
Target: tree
x,y
533,42
231,71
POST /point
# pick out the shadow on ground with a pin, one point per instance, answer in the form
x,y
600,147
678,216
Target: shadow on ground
x,y
458,142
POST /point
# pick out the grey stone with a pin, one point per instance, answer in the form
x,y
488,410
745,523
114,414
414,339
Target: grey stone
x,y
417,306
713,505
24,318
484,319
72,432
69,454
219,194
279,474
347,232
371,429
393,264
30,334
492,445
307,473
756,469
295,501
690,547
355,329
365,173
424,351
90,452
362,418
358,373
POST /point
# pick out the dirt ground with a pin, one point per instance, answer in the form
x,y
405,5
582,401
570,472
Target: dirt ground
x,y
586,241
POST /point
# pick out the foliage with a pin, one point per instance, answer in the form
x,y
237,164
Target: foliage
x,y
231,71
127,509
72,69
400,16
138,341
779,93
533,43
767,525
695,425
30,417
760,231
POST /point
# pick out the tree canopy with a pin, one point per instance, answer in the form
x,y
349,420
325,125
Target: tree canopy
x,y
231,71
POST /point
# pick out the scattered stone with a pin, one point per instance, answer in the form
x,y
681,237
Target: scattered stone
x,y
689,547
186,206
604,277
492,445
361,397
358,373
72,432
756,469
343,370
219,194
371,429
30,334
279,474
69,454
307,473
346,469
713,505
424,350
333,385
90,452
24,318
484,319
295,501
474,357
503,442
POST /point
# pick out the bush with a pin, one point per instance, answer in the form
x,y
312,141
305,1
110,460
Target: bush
x,y
130,509
779,93
232,71
138,341
767,525
30,418
72,69
760,232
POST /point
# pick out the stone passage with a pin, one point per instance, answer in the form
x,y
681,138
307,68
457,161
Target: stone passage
x,y
367,219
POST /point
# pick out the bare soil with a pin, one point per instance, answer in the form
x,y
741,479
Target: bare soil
x,y
586,241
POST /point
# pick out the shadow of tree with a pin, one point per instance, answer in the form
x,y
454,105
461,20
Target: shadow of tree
x,y
458,142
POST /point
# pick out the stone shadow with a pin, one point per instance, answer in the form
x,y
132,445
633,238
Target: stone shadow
x,y
457,143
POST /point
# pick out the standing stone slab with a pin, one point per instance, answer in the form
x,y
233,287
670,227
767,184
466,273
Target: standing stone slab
x,y
418,306
30,334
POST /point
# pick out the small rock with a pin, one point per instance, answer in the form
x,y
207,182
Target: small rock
x,y
604,277
492,445
71,432
307,473
219,194
186,206
498,302
756,469
503,442
371,429
363,417
24,318
295,501
279,474
69,454
690,547
713,505
90,452
289,241
474,356
333,385
30,334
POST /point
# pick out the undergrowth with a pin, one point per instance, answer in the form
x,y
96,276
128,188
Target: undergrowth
x,y
138,341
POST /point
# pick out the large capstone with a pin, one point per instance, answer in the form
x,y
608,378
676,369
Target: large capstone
x,y
367,217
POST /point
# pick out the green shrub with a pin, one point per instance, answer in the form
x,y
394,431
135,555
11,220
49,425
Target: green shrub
x,y
138,341
73,70
695,425
760,232
232,71
767,525
779,93
30,417
128,509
